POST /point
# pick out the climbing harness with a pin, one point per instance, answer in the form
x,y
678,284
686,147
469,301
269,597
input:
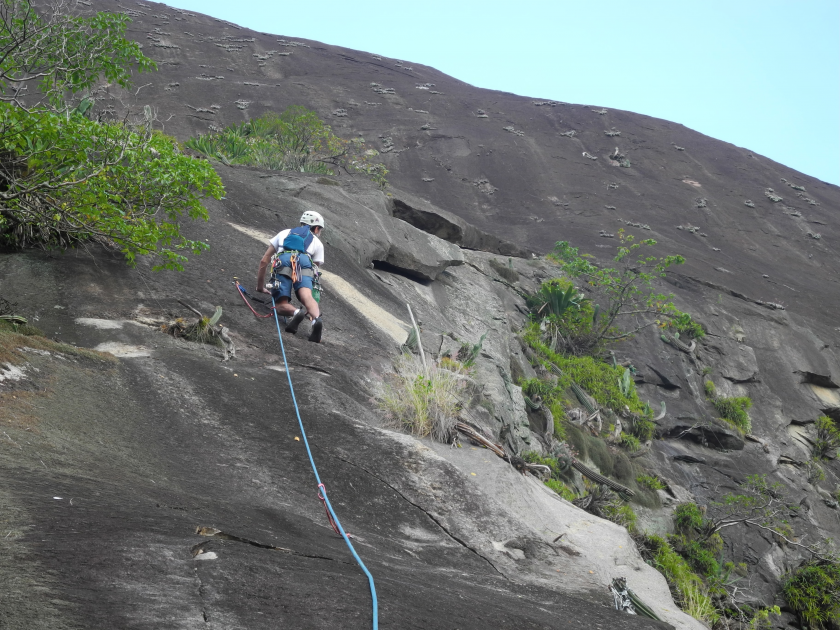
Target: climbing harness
x,y
293,270
322,490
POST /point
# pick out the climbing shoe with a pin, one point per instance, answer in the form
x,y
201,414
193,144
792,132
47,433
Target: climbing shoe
x,y
295,321
317,327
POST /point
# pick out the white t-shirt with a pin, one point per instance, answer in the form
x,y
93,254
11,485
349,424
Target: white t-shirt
x,y
315,249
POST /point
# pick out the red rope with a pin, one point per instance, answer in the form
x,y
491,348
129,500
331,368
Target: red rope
x,y
241,292
329,516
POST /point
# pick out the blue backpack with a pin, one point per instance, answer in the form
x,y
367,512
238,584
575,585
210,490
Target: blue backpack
x,y
298,239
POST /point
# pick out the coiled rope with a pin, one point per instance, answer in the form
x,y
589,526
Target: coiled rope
x,y
322,490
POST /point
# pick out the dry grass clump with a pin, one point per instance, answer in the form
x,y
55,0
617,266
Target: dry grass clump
x,y
199,331
422,401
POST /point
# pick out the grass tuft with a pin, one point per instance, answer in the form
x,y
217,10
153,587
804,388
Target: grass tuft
x,y
420,401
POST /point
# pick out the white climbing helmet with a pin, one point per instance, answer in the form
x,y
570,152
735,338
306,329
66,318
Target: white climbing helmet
x,y
312,218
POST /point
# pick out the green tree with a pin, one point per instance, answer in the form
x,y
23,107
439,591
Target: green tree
x,y
627,300
65,178
47,59
765,505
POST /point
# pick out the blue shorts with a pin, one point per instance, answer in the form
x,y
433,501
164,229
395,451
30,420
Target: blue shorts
x,y
304,282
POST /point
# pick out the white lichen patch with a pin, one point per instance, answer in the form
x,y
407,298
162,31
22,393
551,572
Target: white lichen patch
x,y
11,372
101,324
123,349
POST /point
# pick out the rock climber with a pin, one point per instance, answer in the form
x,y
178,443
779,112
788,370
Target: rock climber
x,y
295,256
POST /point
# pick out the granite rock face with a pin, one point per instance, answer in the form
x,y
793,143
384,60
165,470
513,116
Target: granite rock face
x,y
170,489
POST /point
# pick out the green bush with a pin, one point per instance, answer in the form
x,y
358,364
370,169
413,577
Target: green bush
x,y
554,482
562,489
688,517
567,316
828,438
687,327
651,482
295,140
533,387
533,457
643,428
132,188
27,330
687,587
598,378
620,514
734,410
559,415
813,591
816,474
701,559
630,442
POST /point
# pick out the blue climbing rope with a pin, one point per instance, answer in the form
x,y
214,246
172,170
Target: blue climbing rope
x,y
321,488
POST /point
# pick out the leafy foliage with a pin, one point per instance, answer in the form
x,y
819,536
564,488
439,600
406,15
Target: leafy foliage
x,y
295,140
57,55
762,505
598,378
828,438
65,178
557,299
649,481
813,591
69,179
687,587
701,582
630,442
620,513
688,517
734,410
686,326
562,489
632,302
698,556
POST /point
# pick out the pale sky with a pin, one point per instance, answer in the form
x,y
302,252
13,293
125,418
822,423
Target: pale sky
x,y
761,74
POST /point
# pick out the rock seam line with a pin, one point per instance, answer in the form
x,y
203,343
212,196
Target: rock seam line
x,y
428,514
